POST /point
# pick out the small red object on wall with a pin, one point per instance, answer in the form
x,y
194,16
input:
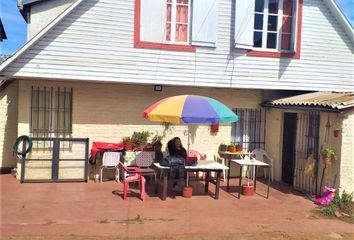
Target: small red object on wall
x,y
214,128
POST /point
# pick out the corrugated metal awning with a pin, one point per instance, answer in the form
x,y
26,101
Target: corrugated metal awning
x,y
319,100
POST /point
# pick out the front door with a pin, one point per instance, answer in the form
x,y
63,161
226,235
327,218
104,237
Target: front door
x,y
289,146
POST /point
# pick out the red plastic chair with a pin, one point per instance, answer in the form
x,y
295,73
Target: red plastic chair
x,y
137,177
195,154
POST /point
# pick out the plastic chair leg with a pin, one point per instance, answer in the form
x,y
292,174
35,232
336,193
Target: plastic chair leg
x,y
142,188
117,175
125,190
101,172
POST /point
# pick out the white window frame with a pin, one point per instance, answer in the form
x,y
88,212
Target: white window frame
x,y
174,22
279,28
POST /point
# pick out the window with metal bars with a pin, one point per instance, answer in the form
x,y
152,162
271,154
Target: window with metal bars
x,y
51,114
249,130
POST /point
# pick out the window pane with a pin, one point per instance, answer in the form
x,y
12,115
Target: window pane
x,y
259,7
272,23
273,6
181,32
286,27
257,39
182,14
271,40
182,1
168,32
258,21
285,41
288,7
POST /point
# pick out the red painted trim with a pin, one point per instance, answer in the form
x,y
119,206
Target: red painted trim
x,y
137,22
162,46
296,55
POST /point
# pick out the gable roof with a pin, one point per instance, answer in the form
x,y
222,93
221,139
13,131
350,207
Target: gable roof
x,y
330,101
39,35
78,2
342,19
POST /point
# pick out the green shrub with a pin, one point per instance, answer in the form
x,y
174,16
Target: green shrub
x,y
330,210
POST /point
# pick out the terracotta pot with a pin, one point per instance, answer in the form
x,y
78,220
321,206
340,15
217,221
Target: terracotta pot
x,y
326,160
231,148
187,192
336,133
128,145
239,148
247,190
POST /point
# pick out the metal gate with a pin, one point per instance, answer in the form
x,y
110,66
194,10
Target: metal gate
x,y
55,160
307,144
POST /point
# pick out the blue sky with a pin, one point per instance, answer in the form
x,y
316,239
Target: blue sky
x,y
16,31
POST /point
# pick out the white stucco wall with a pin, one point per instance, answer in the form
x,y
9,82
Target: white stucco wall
x,y
347,156
8,124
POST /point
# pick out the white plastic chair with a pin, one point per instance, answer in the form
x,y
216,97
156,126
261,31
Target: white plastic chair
x,y
110,160
219,159
262,155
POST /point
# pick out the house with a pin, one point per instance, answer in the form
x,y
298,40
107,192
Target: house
x,y
90,67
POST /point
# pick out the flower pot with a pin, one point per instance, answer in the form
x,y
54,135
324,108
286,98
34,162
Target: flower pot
x,y
187,192
231,148
239,148
326,160
247,190
222,148
128,145
336,133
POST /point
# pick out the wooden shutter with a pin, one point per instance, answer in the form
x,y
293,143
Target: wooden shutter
x,y
294,26
153,20
204,23
244,23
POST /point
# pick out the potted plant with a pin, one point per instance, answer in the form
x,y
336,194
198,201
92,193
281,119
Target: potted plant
x,y
231,147
128,143
222,147
336,133
328,155
140,139
238,147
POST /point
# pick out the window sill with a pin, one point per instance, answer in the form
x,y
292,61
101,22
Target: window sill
x,y
164,46
253,53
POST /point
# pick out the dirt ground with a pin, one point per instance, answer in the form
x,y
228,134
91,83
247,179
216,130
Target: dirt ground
x,y
244,236
92,211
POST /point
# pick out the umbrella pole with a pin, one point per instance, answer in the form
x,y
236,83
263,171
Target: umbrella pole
x,y
188,143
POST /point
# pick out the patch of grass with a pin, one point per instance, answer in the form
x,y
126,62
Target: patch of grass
x,y
140,220
104,221
341,207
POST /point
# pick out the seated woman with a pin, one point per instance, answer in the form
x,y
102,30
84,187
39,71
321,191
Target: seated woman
x,y
176,150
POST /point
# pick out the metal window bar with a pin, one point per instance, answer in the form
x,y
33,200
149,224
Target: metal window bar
x,y
249,130
51,114
307,143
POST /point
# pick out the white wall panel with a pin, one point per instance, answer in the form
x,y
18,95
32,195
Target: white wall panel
x,y
95,42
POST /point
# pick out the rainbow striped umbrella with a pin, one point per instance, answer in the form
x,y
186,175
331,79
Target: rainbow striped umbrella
x,y
190,109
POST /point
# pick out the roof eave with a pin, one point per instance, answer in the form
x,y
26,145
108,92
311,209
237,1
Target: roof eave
x,y
331,4
38,36
301,107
